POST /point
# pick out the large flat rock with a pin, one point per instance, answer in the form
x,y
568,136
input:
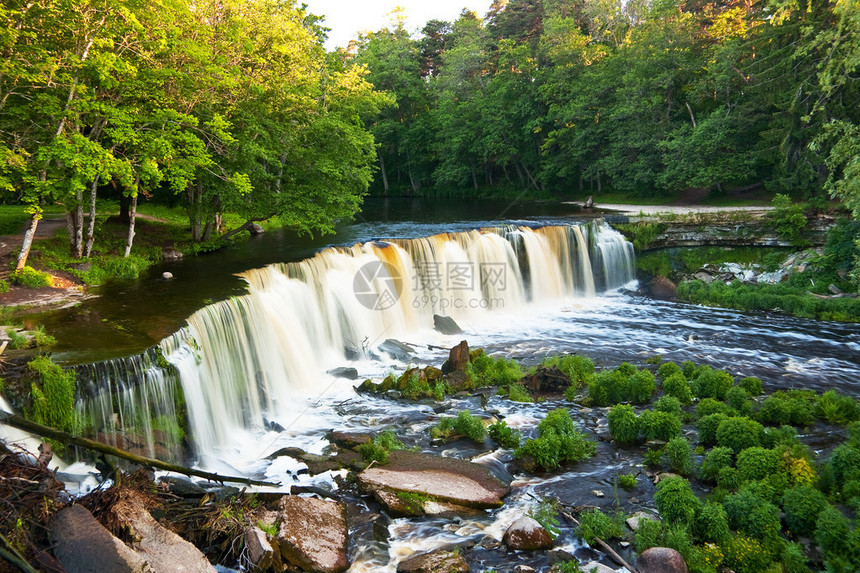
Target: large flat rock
x,y
83,545
313,534
428,479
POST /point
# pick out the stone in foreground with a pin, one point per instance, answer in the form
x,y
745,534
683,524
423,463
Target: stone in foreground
x,y
83,545
526,534
661,560
424,480
438,561
313,534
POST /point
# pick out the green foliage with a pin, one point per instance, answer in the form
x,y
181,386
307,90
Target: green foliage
x,y
641,234
710,383
465,424
114,268
845,463
653,457
53,395
377,450
648,535
689,369
518,393
546,513
594,523
739,433
793,407
579,368
802,505
836,408
757,463
679,454
788,220
754,516
505,436
559,442
739,400
715,460
31,278
4,286
17,340
622,384
656,425
751,384
838,539
668,404
501,371
712,523
708,426
623,425
746,555
43,339
676,501
668,369
676,385
710,406
270,529
626,481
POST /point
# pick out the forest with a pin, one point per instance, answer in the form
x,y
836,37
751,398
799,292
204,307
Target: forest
x,y
644,97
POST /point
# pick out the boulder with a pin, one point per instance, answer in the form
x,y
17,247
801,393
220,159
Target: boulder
x,y
396,349
706,278
432,484
446,325
260,552
458,357
170,254
348,439
83,545
344,372
597,567
161,548
634,520
256,229
546,381
663,288
313,534
167,276
526,534
439,561
661,560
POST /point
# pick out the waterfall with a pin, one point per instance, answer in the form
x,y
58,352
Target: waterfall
x,y
251,362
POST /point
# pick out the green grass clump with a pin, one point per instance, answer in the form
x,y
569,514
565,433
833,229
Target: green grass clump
x,y
43,339
626,481
559,442
802,506
488,371
708,426
751,384
504,435
4,286
676,385
715,460
676,501
623,424
794,407
710,383
580,369
623,384
465,424
661,426
679,454
53,395
377,450
518,393
31,278
739,433
739,400
757,463
836,408
595,524
546,513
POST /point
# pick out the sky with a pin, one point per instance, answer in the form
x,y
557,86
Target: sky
x,y
348,18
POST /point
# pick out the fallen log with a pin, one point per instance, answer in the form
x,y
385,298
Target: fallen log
x,y
18,421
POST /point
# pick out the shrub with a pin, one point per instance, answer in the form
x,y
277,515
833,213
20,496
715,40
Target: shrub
x,y
751,384
626,369
626,481
746,555
546,513
4,286
845,463
801,505
787,219
712,523
465,424
608,387
753,515
642,386
31,278
728,478
710,406
17,340
739,400
489,371
53,395
678,387
578,368
839,542
792,407
836,408
715,460
708,428
793,558
689,369
648,535
679,454
377,449
676,501
710,383
623,424
43,339
659,425
595,523
518,393
739,433
668,404
784,435
505,436
757,463
112,268
668,369
559,442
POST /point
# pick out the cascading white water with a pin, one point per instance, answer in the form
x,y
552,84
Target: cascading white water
x,y
256,357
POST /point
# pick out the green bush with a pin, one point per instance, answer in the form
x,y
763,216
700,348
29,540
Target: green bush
x,y
679,454
802,505
623,424
793,558
31,278
642,387
43,339
746,555
626,481
788,220
489,371
739,433
676,501
728,479
710,406
668,404
708,426
689,369
377,450
559,442
114,268
518,393
739,400
836,408
712,523
753,515
595,523
751,384
678,387
793,407
659,425
784,435
622,384
17,340
546,513
648,535
505,436
838,540
53,395
580,369
465,424
668,369
715,460
757,463
845,463
4,286
710,383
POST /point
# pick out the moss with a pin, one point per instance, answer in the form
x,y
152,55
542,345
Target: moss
x,y
31,278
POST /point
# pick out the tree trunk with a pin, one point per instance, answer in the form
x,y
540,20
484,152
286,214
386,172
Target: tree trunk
x,y
75,226
132,213
599,183
416,185
692,117
474,179
529,175
91,227
29,234
124,202
383,172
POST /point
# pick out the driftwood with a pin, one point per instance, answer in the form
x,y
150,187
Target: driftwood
x,y
18,421
603,545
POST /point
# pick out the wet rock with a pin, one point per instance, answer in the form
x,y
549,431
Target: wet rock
x,y
256,229
458,357
439,561
546,381
344,372
662,288
526,534
772,278
348,440
597,493
380,528
260,552
181,486
432,484
446,325
524,569
313,534
169,254
290,452
634,520
162,549
396,349
82,545
661,560
596,567
704,277
167,276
